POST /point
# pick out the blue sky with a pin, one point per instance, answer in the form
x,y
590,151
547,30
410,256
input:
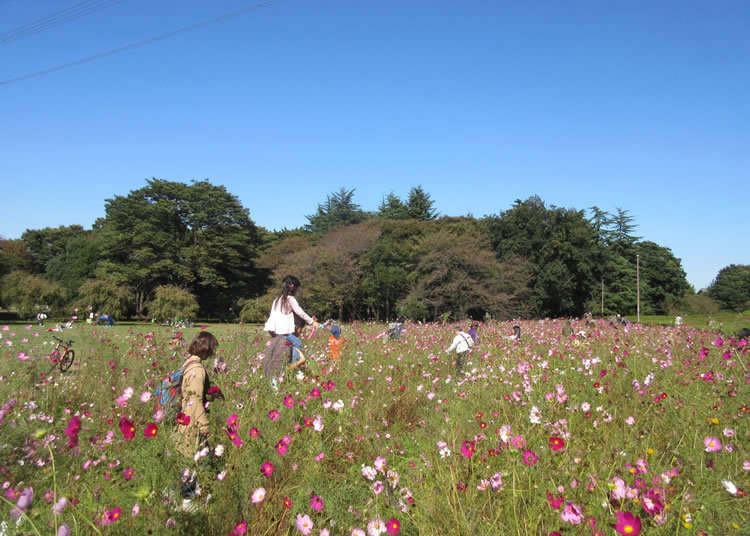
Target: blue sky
x,y
637,105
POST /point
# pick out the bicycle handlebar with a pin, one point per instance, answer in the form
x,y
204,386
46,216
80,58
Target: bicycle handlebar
x,y
68,343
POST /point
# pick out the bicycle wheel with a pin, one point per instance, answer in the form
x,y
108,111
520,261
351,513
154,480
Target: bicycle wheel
x,y
67,360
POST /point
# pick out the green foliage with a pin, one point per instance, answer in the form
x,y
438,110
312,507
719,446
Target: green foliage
x,y
172,302
196,236
393,208
696,304
107,296
457,272
419,205
76,263
338,209
14,256
29,293
731,288
46,244
255,310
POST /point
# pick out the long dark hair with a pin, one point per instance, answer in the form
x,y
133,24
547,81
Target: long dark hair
x,y
289,286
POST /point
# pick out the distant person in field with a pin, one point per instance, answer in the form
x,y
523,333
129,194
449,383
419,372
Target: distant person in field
x,y
473,332
462,343
281,320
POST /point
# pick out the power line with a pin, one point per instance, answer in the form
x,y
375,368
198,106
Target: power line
x,y
54,19
138,44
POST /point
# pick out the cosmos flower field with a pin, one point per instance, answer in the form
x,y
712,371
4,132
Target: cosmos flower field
x,y
607,430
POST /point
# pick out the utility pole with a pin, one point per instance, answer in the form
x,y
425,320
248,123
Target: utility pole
x,y
638,285
602,298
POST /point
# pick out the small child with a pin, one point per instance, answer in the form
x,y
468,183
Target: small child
x,y
334,342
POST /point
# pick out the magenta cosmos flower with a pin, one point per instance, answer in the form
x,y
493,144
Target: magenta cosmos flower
x,y
267,468
529,458
628,524
316,503
151,430
127,428
468,449
393,526
556,443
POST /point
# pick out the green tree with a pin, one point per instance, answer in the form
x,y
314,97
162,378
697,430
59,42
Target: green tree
x,y
76,263
420,205
106,296
663,281
619,232
196,236
386,267
393,208
29,293
457,273
339,208
563,248
46,244
731,288
14,255
172,302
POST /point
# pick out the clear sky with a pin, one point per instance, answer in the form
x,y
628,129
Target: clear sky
x,y
642,105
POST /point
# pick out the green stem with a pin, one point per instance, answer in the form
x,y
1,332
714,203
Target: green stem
x,y
23,514
54,481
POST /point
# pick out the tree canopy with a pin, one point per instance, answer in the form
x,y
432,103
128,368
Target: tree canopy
x,y
171,246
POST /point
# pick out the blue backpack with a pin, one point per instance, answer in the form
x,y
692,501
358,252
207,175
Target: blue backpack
x,y
169,395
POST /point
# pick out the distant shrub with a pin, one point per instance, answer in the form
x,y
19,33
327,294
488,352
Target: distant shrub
x,y
256,310
697,304
172,302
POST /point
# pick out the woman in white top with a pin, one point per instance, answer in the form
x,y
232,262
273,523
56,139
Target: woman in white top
x,y
281,319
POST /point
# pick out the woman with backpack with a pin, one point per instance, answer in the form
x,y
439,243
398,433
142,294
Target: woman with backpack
x,y
193,425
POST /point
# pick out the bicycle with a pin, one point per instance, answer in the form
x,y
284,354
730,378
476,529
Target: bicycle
x,y
62,355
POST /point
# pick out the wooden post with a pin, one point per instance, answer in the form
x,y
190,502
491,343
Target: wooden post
x,y
638,285
602,298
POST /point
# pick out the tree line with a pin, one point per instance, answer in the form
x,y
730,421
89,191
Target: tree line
x,y
191,250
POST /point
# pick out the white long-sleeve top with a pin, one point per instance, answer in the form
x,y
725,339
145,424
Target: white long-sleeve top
x,y
281,319
461,342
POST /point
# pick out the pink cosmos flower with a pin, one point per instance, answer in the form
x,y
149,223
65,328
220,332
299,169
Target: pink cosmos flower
x,y
273,415
128,473
151,430
571,513
304,524
289,401
258,495
393,526
712,444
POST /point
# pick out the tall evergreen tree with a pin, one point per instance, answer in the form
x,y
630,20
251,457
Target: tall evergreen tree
x,y
420,205
339,208
393,208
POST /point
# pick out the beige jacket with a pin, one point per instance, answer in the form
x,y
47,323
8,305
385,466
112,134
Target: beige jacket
x,y
193,396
